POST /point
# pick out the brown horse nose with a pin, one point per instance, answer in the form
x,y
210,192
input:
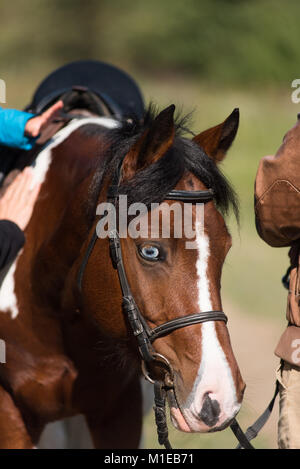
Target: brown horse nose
x,y
210,411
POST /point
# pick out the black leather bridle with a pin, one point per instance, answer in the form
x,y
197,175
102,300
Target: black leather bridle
x,y
145,336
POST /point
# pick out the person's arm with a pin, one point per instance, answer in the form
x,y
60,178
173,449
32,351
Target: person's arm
x,y
21,129
12,239
16,206
12,129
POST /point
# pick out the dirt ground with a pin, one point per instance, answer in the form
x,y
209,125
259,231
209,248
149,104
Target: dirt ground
x,y
254,340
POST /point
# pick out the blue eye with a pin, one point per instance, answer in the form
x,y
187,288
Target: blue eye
x,y
150,253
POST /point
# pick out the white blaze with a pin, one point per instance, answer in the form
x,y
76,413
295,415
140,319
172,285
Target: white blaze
x,y
8,299
214,375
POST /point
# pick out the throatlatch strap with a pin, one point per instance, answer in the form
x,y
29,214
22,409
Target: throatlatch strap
x,y
86,259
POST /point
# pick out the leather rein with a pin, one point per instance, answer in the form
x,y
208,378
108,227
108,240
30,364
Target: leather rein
x,y
145,336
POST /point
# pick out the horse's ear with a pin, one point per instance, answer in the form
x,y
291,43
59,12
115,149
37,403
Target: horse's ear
x,y
217,140
152,145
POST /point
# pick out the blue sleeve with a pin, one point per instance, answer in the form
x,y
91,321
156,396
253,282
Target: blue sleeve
x,y
12,129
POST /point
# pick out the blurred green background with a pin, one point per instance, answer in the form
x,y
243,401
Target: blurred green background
x,y
209,56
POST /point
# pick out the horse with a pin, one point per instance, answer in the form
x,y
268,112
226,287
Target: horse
x,y
70,349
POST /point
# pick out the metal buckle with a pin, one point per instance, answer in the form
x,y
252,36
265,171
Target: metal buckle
x,y
159,358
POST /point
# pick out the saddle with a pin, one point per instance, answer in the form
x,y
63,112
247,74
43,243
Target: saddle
x,y
86,87
114,88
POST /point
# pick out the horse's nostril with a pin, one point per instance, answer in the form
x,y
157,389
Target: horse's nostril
x,y
210,411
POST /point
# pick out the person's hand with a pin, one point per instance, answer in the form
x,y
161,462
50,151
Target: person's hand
x,y
18,201
35,125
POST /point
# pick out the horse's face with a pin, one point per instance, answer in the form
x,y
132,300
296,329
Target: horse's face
x,y
208,387
169,281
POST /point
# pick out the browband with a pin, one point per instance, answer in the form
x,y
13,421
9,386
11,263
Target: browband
x,y
191,196
183,196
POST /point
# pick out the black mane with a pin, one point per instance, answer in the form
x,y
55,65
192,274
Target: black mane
x,y
154,182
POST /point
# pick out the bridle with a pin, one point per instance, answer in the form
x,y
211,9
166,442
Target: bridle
x,y
144,335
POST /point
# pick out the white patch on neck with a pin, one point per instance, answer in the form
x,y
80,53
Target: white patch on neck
x,y
214,374
43,161
8,299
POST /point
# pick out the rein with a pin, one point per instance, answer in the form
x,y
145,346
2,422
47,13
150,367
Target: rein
x,y
145,336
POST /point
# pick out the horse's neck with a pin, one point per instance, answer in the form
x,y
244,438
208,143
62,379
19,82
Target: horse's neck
x,y
64,214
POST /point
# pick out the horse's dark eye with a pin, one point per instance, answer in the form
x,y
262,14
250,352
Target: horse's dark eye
x,y
150,253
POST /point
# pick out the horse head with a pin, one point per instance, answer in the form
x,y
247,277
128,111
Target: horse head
x,y
172,276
